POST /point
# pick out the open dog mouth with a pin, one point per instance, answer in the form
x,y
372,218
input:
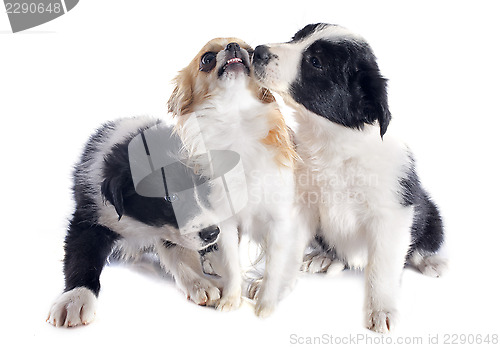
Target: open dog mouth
x,y
235,64
234,61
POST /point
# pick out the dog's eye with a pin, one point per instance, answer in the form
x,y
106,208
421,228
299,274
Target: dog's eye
x,y
208,61
315,62
171,198
207,58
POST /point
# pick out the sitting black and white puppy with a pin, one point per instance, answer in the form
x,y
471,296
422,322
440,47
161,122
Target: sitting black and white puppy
x,y
358,189
111,215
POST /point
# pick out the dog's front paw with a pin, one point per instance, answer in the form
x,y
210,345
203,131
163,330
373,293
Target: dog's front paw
x,y
264,309
381,321
201,291
73,308
229,302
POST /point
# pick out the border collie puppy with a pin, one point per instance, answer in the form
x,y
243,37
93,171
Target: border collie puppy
x,y
111,215
359,193
218,105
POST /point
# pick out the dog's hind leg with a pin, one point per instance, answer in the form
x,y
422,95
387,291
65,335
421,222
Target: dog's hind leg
x,y
321,262
429,264
86,250
321,259
428,235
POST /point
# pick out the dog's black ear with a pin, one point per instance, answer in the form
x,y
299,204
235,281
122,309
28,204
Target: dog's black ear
x,y
112,191
372,94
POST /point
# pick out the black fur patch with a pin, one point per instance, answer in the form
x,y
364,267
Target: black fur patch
x,y
167,244
307,30
118,189
87,246
83,191
427,228
341,81
322,244
209,249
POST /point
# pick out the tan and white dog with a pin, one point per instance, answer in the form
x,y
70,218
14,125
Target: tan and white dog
x,y
218,106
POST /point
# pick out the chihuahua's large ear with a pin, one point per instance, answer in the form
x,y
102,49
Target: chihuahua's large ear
x,y
181,100
373,100
112,191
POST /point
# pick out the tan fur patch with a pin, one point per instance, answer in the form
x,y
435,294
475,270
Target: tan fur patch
x,y
280,136
192,89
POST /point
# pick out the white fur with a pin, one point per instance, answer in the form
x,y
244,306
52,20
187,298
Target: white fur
x,y
234,119
73,308
184,265
281,72
348,186
431,265
348,181
77,306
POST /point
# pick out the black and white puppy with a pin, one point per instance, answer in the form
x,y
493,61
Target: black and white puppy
x,y
111,215
358,192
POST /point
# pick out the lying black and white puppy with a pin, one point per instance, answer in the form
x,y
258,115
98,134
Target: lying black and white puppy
x,y
111,215
357,190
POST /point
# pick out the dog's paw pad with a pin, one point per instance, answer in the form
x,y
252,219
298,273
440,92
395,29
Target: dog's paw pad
x,y
73,308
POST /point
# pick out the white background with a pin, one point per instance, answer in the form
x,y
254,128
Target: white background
x,y
108,59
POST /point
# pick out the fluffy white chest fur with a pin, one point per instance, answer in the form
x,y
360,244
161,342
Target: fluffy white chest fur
x,y
234,119
348,180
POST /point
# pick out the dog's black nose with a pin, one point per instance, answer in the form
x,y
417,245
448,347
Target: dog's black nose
x,y
261,54
209,234
233,46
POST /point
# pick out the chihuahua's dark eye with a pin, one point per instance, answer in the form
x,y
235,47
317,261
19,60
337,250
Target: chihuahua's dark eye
x,y
208,61
207,58
315,62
